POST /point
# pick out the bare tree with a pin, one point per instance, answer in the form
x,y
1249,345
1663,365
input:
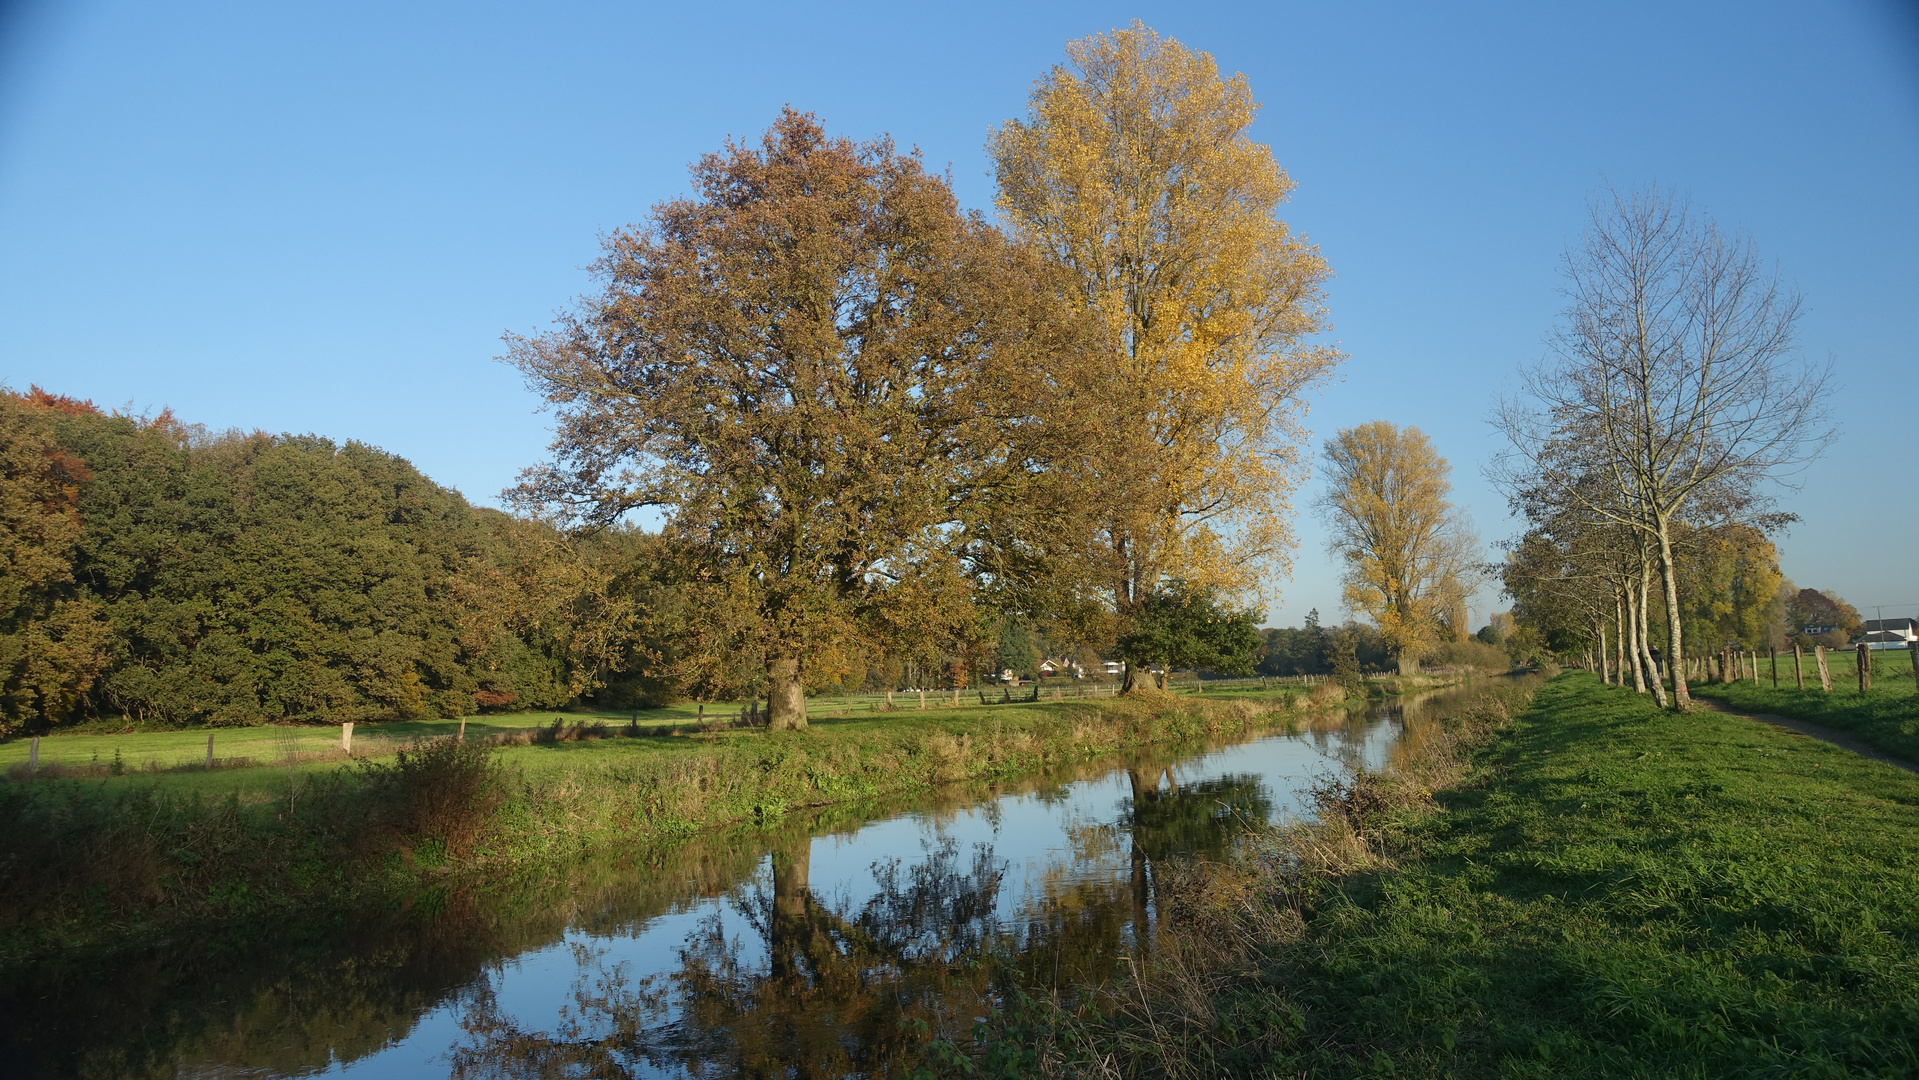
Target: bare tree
x,y
1674,373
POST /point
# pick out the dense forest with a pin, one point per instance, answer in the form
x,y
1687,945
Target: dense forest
x,y
157,573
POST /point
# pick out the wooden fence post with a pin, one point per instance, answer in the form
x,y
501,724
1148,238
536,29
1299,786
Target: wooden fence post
x,y
1865,668
1825,676
346,737
889,699
956,695
922,700
462,729
209,753
1798,670
1772,652
33,756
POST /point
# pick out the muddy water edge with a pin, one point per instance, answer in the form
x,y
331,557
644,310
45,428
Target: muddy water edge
x,y
847,941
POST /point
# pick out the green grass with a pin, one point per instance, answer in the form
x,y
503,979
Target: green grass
x,y
1887,716
1619,892
255,762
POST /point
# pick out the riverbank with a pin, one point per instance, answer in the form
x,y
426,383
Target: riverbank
x,y
1610,890
109,862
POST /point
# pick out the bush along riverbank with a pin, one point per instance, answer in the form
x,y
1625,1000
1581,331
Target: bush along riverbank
x,y
1591,888
88,865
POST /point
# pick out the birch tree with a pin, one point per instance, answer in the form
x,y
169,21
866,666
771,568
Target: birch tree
x,y
1674,372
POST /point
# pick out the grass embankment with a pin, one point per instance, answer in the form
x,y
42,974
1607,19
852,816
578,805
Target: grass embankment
x,y
101,862
1611,890
1887,716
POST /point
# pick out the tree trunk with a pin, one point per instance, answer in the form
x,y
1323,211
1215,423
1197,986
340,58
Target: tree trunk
x,y
788,931
1619,635
1645,630
785,698
1408,665
1139,680
1632,635
1605,668
1681,694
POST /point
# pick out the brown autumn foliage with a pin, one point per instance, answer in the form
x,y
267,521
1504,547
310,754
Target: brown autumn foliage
x,y
802,361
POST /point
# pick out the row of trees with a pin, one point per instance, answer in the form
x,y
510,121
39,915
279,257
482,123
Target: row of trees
x,y
1644,446
879,425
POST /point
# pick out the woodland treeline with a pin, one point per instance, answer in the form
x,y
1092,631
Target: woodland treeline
x,y
159,573
889,441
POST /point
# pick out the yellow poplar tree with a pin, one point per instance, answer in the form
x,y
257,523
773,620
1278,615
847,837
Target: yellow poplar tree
x,y
1409,554
1180,446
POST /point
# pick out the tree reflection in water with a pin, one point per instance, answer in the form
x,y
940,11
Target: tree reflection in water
x,y
842,989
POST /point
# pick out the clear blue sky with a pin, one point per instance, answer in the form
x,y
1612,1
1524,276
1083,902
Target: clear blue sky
x,y
321,217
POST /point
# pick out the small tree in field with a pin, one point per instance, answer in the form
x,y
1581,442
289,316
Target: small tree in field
x,y
1409,552
799,363
1180,626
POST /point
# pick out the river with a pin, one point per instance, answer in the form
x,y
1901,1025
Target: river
x,y
820,947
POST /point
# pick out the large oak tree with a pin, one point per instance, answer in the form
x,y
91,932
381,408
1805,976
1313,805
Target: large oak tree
x,y
803,364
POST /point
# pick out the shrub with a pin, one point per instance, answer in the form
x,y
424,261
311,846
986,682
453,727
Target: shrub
x,y
445,790
1471,654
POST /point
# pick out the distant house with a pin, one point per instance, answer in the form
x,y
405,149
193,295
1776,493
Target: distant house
x,y
1114,667
1889,633
1057,667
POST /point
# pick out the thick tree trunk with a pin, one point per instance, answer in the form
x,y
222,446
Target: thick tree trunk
x,y
1408,665
1681,695
785,698
1605,667
1138,679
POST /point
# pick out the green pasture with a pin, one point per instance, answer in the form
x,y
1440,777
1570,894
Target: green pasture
x,y
1887,716
1619,892
258,760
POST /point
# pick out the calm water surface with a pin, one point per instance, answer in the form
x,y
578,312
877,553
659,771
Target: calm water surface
x,y
816,949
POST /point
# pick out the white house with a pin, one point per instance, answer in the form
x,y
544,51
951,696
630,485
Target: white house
x,y
1889,633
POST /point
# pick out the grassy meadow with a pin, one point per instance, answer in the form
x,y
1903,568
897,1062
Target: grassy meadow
x,y
1886,717
255,762
1601,889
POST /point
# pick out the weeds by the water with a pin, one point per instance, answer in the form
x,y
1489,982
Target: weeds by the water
x,y
1172,1012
